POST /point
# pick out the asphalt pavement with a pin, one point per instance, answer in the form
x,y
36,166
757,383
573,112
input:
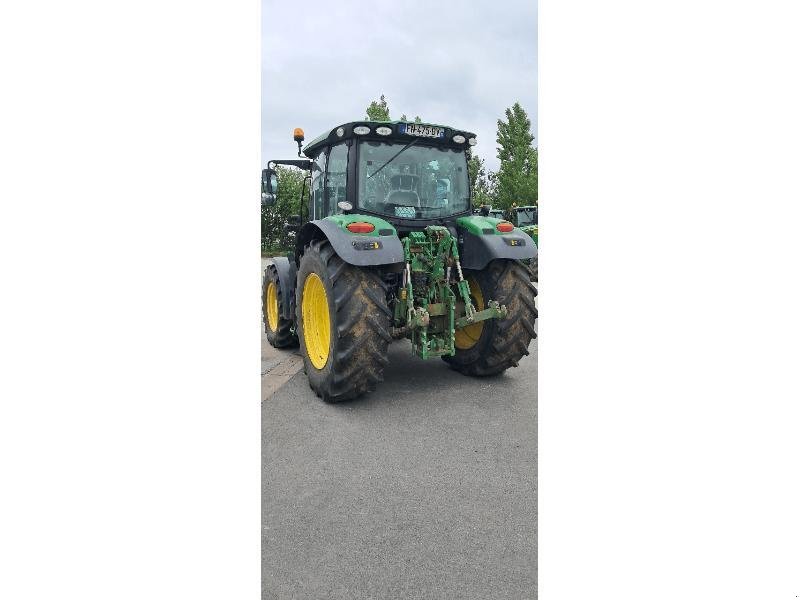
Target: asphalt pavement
x,y
425,488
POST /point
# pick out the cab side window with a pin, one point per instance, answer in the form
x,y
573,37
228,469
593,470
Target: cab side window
x,y
317,207
336,183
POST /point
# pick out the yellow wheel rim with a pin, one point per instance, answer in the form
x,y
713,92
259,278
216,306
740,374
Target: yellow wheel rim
x,y
316,321
468,336
272,306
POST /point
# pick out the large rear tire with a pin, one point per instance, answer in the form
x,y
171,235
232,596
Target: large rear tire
x,y
278,329
343,324
491,347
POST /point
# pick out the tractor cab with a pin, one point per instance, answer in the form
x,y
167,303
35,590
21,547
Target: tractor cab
x,y
496,214
524,216
409,174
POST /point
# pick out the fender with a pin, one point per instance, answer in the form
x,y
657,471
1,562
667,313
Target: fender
x,y
287,274
355,249
480,242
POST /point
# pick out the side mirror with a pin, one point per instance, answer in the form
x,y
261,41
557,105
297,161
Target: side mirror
x,y
269,187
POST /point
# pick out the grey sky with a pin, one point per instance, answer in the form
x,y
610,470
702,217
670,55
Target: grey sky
x,y
459,63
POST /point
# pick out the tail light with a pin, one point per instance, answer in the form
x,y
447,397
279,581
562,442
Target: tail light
x,y
360,227
505,227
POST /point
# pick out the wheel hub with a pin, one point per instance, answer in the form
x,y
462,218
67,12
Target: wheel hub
x,y
316,321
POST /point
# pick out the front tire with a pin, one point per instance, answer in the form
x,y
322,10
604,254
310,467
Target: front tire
x,y
278,329
491,347
343,324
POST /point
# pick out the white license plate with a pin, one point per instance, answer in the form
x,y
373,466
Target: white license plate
x,y
424,130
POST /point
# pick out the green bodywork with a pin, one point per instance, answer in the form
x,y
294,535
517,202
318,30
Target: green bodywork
x,y
434,300
479,225
380,225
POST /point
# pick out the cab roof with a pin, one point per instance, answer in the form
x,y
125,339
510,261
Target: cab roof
x,y
331,137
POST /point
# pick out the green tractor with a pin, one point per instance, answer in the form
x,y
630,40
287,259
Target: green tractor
x,y
389,250
527,219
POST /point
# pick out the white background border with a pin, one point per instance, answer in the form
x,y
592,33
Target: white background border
x,y
129,433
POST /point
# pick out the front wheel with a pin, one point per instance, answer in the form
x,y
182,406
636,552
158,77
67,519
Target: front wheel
x,y
278,329
343,323
490,347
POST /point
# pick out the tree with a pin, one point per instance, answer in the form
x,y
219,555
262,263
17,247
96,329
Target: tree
x,y
481,181
274,219
416,119
517,179
378,110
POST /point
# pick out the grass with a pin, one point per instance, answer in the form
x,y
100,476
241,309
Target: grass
x,y
270,252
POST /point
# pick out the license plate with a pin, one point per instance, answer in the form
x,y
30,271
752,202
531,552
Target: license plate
x,y
422,130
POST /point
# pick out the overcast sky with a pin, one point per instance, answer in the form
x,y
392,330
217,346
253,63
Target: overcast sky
x,y
451,62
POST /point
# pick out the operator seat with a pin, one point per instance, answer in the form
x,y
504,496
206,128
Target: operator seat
x,y
404,190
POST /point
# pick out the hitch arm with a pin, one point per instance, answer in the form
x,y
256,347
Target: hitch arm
x,y
495,311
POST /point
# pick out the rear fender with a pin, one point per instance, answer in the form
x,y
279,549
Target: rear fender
x,y
480,242
356,249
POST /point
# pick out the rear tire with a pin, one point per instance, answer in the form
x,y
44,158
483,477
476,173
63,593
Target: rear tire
x,y
359,321
278,329
502,342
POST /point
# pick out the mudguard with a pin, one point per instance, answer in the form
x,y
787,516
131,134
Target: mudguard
x,y
480,242
380,247
287,274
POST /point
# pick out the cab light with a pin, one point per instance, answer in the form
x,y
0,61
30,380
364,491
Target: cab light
x,y
361,227
459,139
383,131
472,141
361,130
505,227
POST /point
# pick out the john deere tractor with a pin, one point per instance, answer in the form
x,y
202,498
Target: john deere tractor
x,y
527,219
388,248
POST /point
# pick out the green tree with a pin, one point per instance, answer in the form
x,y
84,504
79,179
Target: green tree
x,y
481,181
378,110
517,179
274,236
416,119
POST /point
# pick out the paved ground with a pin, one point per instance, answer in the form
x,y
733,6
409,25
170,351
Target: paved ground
x,y
425,488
